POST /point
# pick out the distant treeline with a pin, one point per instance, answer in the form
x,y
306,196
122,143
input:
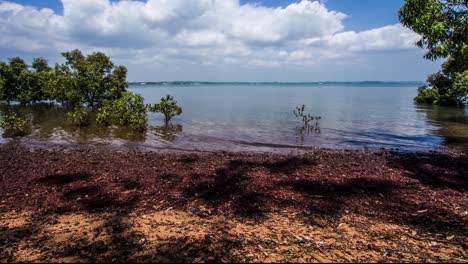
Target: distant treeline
x,y
362,83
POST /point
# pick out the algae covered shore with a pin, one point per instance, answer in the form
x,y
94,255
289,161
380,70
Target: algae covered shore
x,y
99,203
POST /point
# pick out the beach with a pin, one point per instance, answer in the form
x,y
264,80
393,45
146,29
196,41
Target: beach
x,y
73,202
238,131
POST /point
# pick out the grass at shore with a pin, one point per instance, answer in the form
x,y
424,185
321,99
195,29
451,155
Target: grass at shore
x,y
92,203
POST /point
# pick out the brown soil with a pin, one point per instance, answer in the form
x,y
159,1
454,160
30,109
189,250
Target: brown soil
x,y
97,203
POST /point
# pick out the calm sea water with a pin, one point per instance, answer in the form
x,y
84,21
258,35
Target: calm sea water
x,y
260,117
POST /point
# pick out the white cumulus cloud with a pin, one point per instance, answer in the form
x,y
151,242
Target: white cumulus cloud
x,y
196,31
388,37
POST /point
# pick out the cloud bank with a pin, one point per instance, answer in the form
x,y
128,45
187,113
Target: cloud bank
x,y
204,32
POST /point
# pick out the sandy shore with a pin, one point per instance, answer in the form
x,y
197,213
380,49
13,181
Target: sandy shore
x,y
96,203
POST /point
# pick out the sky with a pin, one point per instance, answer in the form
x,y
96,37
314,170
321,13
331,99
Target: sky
x,y
222,40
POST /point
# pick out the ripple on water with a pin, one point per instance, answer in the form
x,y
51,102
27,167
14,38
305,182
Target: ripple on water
x,y
239,117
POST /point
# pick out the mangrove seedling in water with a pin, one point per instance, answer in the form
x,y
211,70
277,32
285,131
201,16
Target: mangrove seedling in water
x,y
168,106
13,125
308,125
306,118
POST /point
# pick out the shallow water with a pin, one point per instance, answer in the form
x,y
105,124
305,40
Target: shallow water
x,y
260,117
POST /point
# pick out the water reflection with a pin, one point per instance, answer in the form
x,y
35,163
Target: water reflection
x,y
303,131
450,123
49,122
15,125
169,132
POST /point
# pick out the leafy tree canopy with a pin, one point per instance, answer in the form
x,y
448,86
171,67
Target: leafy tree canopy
x,y
2,81
95,76
40,65
81,82
168,106
11,75
129,110
443,26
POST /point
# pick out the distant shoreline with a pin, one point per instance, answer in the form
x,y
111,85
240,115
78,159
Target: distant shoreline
x,y
278,83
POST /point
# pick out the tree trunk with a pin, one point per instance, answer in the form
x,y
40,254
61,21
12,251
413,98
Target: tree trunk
x,y
166,119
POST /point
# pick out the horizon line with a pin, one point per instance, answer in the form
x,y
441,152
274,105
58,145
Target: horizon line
x,y
268,82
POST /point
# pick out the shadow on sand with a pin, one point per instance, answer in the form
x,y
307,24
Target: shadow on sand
x,y
247,189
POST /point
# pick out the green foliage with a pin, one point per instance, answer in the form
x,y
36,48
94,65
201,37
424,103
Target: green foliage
x,y
17,65
117,83
448,87
30,88
80,80
40,65
129,110
21,84
427,95
90,81
460,87
79,116
10,73
94,77
168,106
60,86
2,82
13,125
443,26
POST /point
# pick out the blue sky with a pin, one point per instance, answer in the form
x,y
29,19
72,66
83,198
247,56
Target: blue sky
x,y
269,40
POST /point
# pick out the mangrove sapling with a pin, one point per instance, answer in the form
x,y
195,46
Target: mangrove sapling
x,y
13,125
310,123
306,118
167,106
129,110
